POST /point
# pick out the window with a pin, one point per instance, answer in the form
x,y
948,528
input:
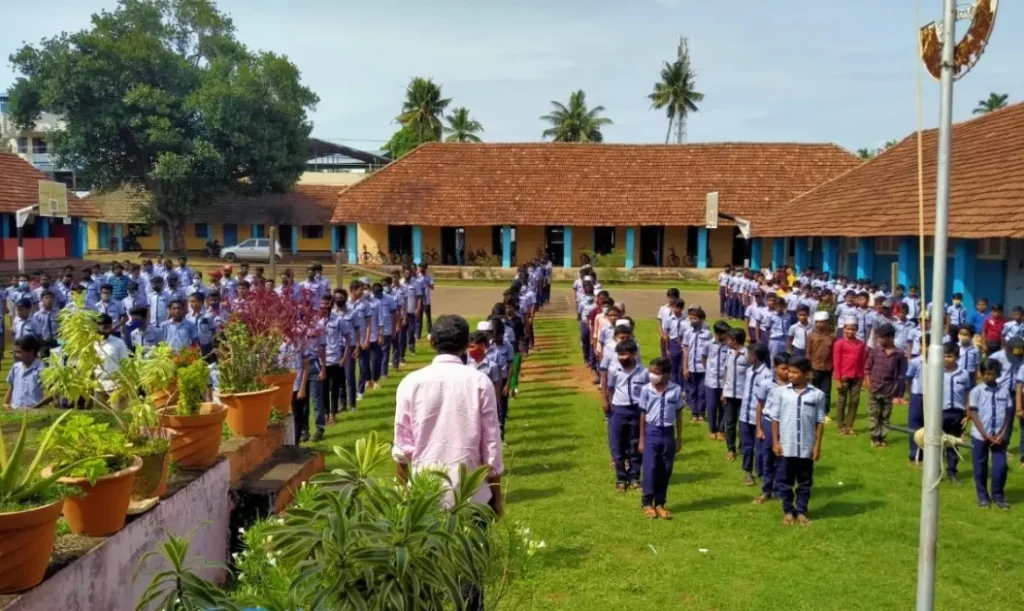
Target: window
x,y
250,243
39,146
312,232
887,245
992,248
202,231
23,145
604,240
263,243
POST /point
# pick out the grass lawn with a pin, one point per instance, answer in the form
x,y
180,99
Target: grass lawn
x,y
722,552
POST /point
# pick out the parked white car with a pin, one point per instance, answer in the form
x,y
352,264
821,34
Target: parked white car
x,y
253,249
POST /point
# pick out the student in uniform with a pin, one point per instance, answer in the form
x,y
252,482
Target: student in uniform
x,y
300,390
763,452
626,379
503,355
955,386
661,402
956,314
110,306
586,306
138,335
1014,328
969,358
673,328
796,337
314,353
340,345
849,356
696,338
46,323
427,281
736,366
798,423
664,313
22,324
714,355
915,411
886,364
179,333
477,357
413,309
760,373
199,317
387,318
991,412
24,381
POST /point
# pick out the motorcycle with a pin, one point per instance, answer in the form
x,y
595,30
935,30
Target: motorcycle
x,y
212,249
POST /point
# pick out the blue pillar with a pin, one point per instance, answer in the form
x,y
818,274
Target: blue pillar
x,y
417,244
702,248
801,254
755,253
964,264
866,258
567,248
830,256
119,234
778,253
44,227
254,231
83,237
506,246
295,239
5,225
351,243
630,246
335,238
908,262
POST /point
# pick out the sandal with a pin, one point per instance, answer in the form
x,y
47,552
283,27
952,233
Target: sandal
x,y
650,513
663,513
760,500
788,519
803,520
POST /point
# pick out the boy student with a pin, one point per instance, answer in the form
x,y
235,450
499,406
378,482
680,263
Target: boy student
x,y
1014,328
626,379
427,281
797,414
956,314
968,356
736,366
764,452
760,374
476,356
664,313
138,335
849,356
886,364
180,334
915,412
661,436
623,331
796,337
586,306
22,324
991,413
46,322
341,344
697,336
778,327
980,315
24,381
387,320
714,356
501,353
992,328
820,343
955,386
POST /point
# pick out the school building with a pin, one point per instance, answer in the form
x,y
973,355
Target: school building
x,y
512,202
43,238
863,221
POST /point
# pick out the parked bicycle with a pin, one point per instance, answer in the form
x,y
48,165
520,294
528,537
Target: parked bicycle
x,y
366,257
382,257
673,258
691,260
431,256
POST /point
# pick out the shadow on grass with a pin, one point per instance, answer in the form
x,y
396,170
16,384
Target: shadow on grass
x,y
519,495
713,502
543,438
541,467
560,557
562,450
845,510
682,476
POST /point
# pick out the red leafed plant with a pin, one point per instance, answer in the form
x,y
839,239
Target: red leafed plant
x,y
293,322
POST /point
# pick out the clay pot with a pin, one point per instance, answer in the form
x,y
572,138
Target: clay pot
x,y
103,506
151,480
197,442
249,412
282,401
26,542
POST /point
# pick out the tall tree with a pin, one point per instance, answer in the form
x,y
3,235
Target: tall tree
x,y
461,127
676,94
405,140
423,108
159,95
995,101
575,122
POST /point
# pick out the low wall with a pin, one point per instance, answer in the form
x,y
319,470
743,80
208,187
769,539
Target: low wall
x,y
102,577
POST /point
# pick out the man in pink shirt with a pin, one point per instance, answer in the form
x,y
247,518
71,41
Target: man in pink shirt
x,y
447,415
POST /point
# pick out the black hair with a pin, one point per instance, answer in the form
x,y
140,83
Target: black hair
x,y
450,334
992,365
958,295
760,352
738,335
479,337
885,330
802,363
355,284
107,287
980,299
679,303
964,327
662,363
377,286
782,358
951,348
626,346
498,328
104,319
699,311
803,308
1014,344
498,309
214,294
46,293
720,327
24,302
140,311
28,343
671,294
903,307
246,284
997,306
175,301
616,309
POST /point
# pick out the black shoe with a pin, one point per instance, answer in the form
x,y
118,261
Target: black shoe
x,y
983,504
1003,505
319,435
953,479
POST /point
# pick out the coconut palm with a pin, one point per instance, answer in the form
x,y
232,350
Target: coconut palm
x,y
995,101
423,108
461,127
675,93
575,122
865,154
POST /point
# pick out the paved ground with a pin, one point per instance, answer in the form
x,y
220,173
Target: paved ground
x,y
478,301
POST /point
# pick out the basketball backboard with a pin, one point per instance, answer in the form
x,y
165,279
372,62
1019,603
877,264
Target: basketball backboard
x,y
53,198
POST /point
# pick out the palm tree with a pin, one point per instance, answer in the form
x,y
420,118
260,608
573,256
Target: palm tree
x,y
423,108
995,101
865,154
675,93
461,127
575,123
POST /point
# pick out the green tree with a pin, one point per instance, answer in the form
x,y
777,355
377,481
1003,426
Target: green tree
x,y
423,108
461,127
995,101
675,93
405,140
159,95
575,122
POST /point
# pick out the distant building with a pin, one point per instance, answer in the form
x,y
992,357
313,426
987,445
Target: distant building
x,y
328,157
34,145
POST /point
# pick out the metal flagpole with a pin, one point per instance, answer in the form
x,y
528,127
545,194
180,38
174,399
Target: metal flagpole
x,y
932,475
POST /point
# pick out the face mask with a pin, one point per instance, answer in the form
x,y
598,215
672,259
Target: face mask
x,y
956,302
196,282
477,354
626,362
23,284
695,324
656,378
589,299
46,284
378,294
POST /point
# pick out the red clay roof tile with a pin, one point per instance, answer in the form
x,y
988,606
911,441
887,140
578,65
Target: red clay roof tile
x,y
19,187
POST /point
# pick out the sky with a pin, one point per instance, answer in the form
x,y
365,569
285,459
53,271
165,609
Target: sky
x,y
786,70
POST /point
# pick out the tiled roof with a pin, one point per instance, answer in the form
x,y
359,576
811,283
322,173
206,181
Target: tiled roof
x,y
303,205
593,184
880,198
19,187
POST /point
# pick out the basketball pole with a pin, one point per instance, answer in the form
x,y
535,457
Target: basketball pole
x,y
932,471
21,217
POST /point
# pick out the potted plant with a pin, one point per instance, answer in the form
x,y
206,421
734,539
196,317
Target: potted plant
x,y
105,483
197,422
241,386
29,507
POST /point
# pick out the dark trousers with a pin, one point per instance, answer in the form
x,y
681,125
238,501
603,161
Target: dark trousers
x,y
659,456
799,472
419,321
375,356
300,413
314,400
721,300
915,420
769,461
952,424
398,349
822,380
748,437
732,415
385,356
980,451
675,355
364,369
695,393
585,345
410,327
502,408
335,391
714,409
624,442
350,381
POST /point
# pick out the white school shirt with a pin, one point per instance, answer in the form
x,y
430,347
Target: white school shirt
x,y
799,334
798,413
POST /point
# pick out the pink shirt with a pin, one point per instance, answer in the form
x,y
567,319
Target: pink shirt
x,y
447,415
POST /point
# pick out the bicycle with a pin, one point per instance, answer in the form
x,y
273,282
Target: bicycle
x,y
584,259
673,258
382,256
366,257
431,257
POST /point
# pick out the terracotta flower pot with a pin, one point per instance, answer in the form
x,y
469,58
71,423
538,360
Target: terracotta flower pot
x,y
26,542
249,412
197,442
151,480
162,398
103,506
282,401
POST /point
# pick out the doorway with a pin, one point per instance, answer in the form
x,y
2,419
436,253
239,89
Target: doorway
x,y
652,239
453,245
284,237
604,240
554,237
740,248
400,239
231,234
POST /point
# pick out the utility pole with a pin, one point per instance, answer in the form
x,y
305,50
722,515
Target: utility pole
x,y
932,471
